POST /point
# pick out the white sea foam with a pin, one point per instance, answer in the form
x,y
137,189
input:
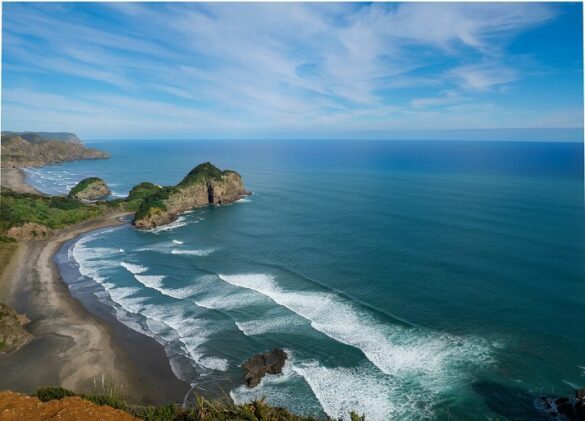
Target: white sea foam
x,y
391,348
269,324
200,252
191,331
228,300
341,390
244,200
155,282
150,281
178,242
180,222
133,268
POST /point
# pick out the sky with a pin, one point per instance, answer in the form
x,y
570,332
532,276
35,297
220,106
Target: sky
x,y
489,71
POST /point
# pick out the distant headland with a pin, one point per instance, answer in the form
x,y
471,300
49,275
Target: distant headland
x,y
36,149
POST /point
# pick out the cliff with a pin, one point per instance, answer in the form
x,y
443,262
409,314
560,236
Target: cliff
x,y
38,149
204,185
12,333
90,189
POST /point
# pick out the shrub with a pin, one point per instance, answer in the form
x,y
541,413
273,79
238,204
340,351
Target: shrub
x,y
46,394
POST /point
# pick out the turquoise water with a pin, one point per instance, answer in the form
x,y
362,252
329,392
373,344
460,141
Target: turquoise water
x,y
407,280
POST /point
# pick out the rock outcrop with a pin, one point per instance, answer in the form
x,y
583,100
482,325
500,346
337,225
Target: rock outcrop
x,y
90,189
570,408
12,333
38,149
204,185
270,362
30,231
17,406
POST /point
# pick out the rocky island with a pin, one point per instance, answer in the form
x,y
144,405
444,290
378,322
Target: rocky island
x,y
204,185
90,189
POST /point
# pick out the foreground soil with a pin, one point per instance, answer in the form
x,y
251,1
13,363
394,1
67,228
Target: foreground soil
x,y
19,407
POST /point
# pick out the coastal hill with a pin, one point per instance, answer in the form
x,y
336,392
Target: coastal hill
x,y
37,137
32,149
90,189
204,185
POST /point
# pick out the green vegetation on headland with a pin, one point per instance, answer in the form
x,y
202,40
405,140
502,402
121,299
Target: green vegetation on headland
x,y
203,185
90,189
26,216
201,410
83,184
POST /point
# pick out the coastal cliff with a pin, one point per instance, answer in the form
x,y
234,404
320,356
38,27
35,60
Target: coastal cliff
x,y
204,185
31,149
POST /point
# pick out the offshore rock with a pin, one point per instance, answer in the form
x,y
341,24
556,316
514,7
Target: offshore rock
x,y
270,362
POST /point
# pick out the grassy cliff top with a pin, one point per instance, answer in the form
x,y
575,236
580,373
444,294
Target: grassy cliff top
x,y
203,172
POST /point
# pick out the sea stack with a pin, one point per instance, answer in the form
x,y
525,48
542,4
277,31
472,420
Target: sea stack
x,y
204,185
89,189
270,362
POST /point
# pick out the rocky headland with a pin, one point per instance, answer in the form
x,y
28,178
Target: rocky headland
x,y
90,189
204,185
32,149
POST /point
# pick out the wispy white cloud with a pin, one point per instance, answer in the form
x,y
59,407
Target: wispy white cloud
x,y
254,68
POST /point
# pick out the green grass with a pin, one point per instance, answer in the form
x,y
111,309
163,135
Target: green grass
x,y
202,409
146,200
83,184
53,212
201,173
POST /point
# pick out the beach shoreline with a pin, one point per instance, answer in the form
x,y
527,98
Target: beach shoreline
x,y
15,179
72,347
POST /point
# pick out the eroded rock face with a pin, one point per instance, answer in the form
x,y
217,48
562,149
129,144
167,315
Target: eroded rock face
x,y
90,189
12,333
31,231
204,185
270,362
37,151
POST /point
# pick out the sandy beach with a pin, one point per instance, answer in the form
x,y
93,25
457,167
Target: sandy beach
x,y
73,348
15,179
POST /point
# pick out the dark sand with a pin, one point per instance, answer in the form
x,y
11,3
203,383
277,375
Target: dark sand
x,y
72,347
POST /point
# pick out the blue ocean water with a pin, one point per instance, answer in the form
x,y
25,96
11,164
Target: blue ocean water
x,y
407,280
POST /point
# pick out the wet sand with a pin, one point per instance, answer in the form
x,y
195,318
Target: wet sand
x,y
14,179
72,347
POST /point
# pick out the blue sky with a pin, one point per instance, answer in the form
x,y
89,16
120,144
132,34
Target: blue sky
x,y
294,70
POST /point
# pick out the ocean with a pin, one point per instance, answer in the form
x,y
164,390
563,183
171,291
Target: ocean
x,y
406,279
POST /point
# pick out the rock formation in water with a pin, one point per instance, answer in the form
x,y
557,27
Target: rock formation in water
x,y
204,185
12,333
90,189
270,362
30,149
569,408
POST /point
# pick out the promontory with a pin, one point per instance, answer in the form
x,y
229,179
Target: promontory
x,y
35,149
204,185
